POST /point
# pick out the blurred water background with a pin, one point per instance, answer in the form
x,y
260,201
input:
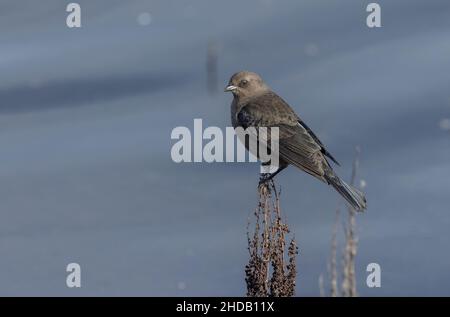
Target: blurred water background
x,y
85,122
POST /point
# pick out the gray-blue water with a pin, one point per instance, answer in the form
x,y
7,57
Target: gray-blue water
x,y
85,122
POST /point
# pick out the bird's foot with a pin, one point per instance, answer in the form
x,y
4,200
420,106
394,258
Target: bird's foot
x,y
265,178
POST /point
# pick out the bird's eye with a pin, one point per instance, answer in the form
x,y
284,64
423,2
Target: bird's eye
x,y
243,83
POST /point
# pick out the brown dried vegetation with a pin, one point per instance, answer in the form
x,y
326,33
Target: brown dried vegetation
x,y
271,270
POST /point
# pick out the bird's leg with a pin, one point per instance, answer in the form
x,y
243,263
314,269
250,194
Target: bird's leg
x,y
268,176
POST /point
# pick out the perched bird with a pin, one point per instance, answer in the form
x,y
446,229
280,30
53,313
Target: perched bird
x,y
256,105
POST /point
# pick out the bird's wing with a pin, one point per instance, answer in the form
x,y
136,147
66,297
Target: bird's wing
x,y
266,110
297,144
324,151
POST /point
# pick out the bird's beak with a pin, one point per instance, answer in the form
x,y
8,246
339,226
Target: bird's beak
x,y
230,88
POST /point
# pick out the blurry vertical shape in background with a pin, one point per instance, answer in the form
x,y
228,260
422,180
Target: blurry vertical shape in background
x,y
212,57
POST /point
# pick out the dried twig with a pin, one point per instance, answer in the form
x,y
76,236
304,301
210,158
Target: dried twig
x,y
321,286
349,280
333,262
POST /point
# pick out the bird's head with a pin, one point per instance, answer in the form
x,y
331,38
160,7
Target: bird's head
x,y
246,84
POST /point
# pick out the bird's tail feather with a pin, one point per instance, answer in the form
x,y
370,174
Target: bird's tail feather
x,y
352,195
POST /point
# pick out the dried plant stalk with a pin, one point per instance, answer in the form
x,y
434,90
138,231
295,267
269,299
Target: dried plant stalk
x,y
348,286
269,272
333,262
321,286
351,244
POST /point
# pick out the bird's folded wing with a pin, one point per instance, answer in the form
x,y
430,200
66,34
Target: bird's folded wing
x,y
270,109
298,148
324,151
265,111
296,144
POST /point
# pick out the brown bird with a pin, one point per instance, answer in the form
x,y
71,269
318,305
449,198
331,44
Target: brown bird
x,y
256,105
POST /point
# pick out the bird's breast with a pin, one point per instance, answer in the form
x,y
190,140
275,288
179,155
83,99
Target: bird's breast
x,y
234,120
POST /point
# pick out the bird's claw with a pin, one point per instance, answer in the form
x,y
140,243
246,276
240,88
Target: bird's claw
x,y
264,179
